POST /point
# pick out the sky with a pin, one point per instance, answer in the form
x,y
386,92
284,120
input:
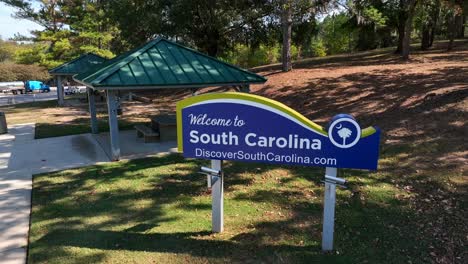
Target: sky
x,y
9,25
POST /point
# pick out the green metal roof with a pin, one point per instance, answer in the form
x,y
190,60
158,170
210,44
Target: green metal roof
x,y
165,64
81,64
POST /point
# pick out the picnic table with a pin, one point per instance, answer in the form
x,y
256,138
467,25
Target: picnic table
x,y
165,125
147,133
161,128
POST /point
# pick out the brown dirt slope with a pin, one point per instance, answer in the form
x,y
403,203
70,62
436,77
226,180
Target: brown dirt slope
x,y
421,107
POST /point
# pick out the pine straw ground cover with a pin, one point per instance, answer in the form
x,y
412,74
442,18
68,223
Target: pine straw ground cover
x,y
412,210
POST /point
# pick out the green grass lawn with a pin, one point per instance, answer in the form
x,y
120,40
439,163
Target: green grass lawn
x,y
158,210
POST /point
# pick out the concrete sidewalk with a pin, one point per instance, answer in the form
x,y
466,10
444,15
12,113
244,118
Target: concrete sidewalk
x,y
20,157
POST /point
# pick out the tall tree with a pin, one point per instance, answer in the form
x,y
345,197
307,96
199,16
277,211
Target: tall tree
x,y
374,22
408,7
71,28
286,23
287,11
151,18
406,10
47,15
429,15
210,25
454,15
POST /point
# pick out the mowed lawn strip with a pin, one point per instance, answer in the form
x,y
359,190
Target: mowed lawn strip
x,y
54,121
158,210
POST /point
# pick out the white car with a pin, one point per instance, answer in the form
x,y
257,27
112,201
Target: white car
x,y
74,89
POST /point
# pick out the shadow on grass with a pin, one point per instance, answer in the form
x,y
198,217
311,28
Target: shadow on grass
x,y
286,226
178,243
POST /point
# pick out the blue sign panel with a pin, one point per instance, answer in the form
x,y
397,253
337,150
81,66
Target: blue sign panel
x,y
244,127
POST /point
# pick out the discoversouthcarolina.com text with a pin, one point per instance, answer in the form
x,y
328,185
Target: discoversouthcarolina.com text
x,y
260,156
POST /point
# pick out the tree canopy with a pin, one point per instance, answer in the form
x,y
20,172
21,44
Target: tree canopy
x,y
246,32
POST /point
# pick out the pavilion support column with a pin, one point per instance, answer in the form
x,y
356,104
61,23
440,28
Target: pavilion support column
x,y
113,125
244,88
92,111
60,93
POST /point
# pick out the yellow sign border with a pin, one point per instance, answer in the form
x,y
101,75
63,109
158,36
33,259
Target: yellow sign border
x,y
253,98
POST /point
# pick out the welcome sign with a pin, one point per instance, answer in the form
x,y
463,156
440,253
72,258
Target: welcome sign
x,y
250,128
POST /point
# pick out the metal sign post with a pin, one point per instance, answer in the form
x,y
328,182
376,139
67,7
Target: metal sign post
x,y
215,179
329,207
217,193
329,211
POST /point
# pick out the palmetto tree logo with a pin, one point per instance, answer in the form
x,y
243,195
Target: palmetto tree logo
x,y
344,131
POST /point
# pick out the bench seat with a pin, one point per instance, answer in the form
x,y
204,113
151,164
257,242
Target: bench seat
x,y
147,133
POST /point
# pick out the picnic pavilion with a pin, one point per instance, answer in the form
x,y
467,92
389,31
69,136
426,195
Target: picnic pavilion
x,y
75,66
158,64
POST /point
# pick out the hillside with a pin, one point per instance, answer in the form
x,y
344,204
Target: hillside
x,y
422,108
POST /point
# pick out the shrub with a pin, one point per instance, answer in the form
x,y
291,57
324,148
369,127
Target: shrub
x,y
264,55
294,52
237,56
10,72
317,48
243,56
31,55
336,34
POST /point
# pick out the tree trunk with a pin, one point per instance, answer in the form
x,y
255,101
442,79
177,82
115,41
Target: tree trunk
x,y
405,48
434,19
451,31
459,26
429,26
463,26
287,28
401,26
401,34
211,43
426,37
462,31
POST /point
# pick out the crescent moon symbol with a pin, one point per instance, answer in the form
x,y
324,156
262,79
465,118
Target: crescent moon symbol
x,y
339,126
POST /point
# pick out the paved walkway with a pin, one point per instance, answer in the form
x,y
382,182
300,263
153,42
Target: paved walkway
x,y
20,157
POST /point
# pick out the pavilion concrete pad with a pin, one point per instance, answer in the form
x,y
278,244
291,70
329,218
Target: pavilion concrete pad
x,y
51,154
132,147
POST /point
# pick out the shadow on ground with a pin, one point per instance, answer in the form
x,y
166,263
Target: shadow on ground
x,y
141,209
